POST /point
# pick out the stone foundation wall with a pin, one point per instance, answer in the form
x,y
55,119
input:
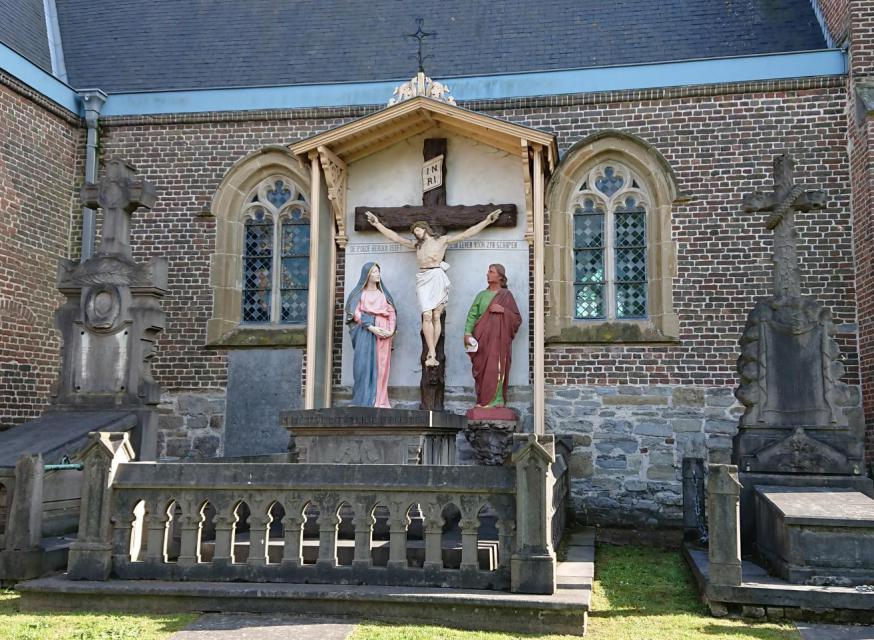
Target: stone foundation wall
x,y
629,443
191,424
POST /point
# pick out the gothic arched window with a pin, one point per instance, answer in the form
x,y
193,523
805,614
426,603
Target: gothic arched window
x,y
276,253
609,209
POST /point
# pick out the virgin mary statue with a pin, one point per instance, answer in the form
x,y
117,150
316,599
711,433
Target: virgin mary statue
x,y
372,321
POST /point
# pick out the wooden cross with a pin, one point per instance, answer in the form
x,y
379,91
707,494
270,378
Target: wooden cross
x,y
119,193
786,198
434,209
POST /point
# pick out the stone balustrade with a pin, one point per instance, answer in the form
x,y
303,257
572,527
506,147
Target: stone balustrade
x,y
458,526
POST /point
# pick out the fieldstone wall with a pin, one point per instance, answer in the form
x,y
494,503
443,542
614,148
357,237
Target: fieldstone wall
x,y
191,425
629,443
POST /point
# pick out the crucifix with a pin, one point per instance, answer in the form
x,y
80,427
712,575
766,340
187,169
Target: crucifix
x,y
429,224
786,198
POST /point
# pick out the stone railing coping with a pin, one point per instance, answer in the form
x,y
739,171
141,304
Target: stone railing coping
x,y
290,476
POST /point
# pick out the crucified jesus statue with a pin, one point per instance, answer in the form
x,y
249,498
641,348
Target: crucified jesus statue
x,y
432,284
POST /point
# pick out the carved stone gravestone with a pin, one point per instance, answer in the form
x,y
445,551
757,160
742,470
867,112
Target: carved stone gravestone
x,y
799,417
802,426
112,315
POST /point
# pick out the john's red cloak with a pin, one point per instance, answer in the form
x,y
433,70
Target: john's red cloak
x,y
494,332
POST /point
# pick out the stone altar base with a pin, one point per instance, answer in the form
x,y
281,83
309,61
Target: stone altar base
x,y
364,435
490,432
815,535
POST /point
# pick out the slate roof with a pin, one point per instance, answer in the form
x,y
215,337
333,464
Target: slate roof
x,y
130,45
23,29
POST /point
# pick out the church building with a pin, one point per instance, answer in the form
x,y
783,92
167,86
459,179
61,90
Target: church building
x,y
622,146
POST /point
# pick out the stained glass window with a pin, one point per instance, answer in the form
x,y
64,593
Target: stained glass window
x,y
610,249
276,254
257,268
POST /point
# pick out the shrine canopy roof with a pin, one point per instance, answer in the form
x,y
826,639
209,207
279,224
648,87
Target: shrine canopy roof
x,y
377,131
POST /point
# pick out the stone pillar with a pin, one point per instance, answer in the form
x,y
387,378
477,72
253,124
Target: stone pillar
x,y
532,567
91,555
723,514
24,524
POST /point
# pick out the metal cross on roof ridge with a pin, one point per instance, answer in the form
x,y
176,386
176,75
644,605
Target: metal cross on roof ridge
x,y
420,36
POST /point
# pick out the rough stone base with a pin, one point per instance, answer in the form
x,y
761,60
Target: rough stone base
x,y
778,599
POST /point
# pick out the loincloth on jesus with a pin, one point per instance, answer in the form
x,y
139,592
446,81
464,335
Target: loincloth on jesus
x,y
432,287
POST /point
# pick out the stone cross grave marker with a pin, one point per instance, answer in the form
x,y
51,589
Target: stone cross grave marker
x,y
786,198
119,194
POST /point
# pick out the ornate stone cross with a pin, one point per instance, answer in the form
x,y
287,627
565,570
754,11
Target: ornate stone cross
x,y
783,202
119,193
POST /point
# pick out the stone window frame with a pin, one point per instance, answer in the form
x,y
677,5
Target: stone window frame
x,y
660,184
225,328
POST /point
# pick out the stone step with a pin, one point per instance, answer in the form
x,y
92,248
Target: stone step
x,y
564,612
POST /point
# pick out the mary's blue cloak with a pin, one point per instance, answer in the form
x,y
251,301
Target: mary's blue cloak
x,y
364,369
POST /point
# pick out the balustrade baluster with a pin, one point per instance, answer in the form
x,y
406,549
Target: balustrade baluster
x,y
433,542
364,522
157,527
293,527
505,542
469,531
258,528
192,524
224,530
397,536
328,521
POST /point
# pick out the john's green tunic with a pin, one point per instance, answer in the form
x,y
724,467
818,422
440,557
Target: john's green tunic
x,y
477,310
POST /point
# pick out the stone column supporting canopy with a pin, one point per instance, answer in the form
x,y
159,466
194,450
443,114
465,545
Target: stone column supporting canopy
x,y
91,555
532,566
723,515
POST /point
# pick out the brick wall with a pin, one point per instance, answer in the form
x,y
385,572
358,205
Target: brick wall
x,y
187,161
721,148
720,141
39,170
860,135
836,15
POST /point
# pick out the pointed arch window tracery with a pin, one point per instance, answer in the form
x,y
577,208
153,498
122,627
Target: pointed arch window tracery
x,y
609,210
276,249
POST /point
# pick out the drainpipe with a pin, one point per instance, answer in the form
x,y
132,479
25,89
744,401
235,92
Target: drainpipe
x,y
92,101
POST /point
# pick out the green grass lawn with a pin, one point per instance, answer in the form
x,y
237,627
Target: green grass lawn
x,y
640,594
15,625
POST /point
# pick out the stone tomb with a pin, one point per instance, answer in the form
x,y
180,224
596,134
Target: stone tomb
x,y
817,535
